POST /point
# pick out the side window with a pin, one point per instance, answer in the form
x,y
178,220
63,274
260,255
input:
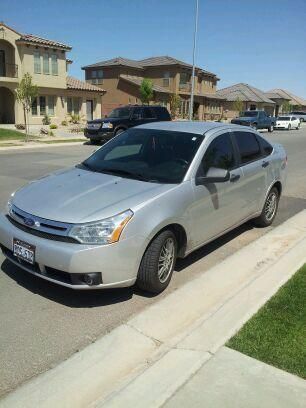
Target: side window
x,y
266,147
220,154
248,146
148,113
293,118
137,114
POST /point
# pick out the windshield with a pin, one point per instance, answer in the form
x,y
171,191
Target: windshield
x,y
283,118
249,114
150,155
120,113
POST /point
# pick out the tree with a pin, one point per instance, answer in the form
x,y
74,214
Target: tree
x,y
175,103
238,105
146,91
25,93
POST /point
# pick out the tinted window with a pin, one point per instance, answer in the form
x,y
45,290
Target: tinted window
x,y
281,118
219,154
120,113
248,146
148,114
249,114
150,155
162,113
266,147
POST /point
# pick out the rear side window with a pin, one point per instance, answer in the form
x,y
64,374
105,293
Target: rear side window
x,y
162,113
219,154
266,147
248,146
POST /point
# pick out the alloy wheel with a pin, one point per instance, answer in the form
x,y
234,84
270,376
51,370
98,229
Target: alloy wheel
x,y
270,207
166,259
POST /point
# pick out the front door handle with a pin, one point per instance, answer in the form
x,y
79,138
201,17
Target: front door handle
x,y
265,164
234,177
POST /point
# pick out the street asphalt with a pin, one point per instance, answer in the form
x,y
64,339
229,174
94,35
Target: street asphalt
x,y
42,324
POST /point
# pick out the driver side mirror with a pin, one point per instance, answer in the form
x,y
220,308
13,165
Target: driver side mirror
x,y
213,175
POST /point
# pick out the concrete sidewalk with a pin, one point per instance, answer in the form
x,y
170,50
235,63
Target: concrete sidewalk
x,y
149,360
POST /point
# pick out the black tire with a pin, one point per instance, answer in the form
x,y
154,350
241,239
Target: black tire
x,y
148,275
265,219
95,142
118,131
298,126
289,127
271,128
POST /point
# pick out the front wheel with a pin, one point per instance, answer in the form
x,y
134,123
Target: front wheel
x,y
157,263
269,210
289,127
254,126
271,128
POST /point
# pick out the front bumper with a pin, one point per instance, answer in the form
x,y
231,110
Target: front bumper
x,y
65,263
102,134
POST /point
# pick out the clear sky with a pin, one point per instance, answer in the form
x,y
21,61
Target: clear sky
x,y
260,42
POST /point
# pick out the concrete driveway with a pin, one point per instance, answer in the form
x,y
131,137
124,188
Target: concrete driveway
x,y
42,324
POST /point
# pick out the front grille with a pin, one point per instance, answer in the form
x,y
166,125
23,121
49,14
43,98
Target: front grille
x,y
42,234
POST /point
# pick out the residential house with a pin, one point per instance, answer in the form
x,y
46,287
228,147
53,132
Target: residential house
x,y
122,77
297,102
47,62
251,98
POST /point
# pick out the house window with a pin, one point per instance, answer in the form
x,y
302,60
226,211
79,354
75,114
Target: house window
x,y
166,79
184,77
97,77
46,67
42,105
51,105
73,106
37,64
34,107
54,64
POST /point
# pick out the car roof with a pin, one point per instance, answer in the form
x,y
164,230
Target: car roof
x,y
140,106
196,127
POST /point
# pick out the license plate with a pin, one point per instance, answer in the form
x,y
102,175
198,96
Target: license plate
x,y
24,251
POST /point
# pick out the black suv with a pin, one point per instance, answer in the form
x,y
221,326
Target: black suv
x,y
123,118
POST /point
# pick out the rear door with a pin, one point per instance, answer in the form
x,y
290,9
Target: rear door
x,y
254,167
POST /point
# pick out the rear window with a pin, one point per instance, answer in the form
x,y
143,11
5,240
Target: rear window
x,y
162,113
248,146
266,147
281,118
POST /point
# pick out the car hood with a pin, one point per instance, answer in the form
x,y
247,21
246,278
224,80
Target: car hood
x,y
77,196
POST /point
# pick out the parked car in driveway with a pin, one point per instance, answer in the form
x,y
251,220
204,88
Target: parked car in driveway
x,y
257,119
300,115
123,118
287,122
153,193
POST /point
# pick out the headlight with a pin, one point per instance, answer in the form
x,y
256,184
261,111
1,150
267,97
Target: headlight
x,y
107,125
102,232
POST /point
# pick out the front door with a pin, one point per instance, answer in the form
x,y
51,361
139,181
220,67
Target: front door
x,y
89,109
2,63
216,206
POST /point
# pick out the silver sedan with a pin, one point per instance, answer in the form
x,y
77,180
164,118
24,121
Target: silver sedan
x,y
153,193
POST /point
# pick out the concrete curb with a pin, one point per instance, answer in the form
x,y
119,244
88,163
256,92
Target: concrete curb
x,y
144,361
38,145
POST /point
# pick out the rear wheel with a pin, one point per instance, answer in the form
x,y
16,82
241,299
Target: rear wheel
x,y
119,131
271,128
269,210
158,262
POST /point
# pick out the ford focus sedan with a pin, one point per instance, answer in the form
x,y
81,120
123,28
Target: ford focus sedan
x,y
153,193
287,122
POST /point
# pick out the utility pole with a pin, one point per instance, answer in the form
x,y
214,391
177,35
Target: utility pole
x,y
193,59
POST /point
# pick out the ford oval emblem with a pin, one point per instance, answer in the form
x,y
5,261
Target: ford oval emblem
x,y
29,222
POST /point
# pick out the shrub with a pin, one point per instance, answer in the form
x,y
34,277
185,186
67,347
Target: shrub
x,y
51,133
20,126
53,126
64,123
75,118
46,120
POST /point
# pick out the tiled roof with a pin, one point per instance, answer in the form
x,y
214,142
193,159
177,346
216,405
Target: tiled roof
x,y
275,95
33,39
74,83
294,100
116,61
137,81
147,62
244,92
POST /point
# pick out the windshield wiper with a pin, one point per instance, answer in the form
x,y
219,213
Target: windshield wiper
x,y
126,173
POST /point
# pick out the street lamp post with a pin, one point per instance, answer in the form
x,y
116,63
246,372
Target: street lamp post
x,y
193,60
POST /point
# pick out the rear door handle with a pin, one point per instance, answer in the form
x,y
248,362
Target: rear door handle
x,y
265,164
234,177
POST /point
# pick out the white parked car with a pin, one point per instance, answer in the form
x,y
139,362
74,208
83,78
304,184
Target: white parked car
x,y
287,122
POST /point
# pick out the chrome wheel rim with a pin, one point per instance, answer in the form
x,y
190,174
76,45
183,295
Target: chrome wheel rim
x,y
166,259
270,207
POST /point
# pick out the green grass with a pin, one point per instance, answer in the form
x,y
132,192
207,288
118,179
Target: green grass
x,y
7,134
276,335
